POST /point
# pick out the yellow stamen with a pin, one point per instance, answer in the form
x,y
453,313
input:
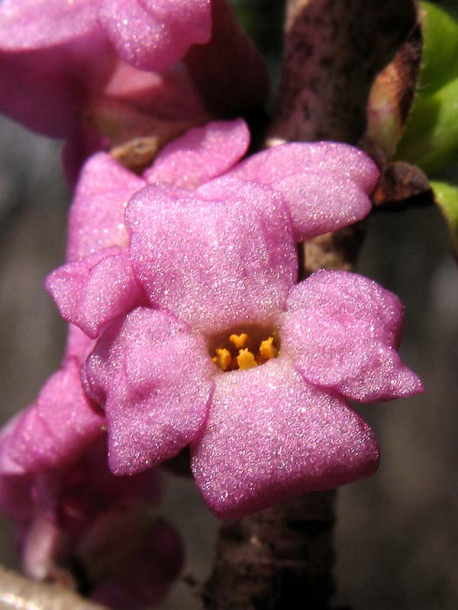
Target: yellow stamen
x,y
267,349
223,358
246,360
239,340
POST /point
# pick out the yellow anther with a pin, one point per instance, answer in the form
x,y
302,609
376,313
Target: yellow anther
x,y
223,358
246,360
267,349
239,340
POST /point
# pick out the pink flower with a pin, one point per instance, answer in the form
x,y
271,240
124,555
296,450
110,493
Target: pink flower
x,y
58,59
100,283
262,435
217,266
79,517
89,69
61,424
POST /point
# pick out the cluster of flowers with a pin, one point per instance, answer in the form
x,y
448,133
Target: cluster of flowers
x,y
189,329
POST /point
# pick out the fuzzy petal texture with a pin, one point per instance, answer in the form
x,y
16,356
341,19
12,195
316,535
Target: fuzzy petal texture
x,y
153,35
97,213
271,436
92,292
343,331
57,428
201,154
326,184
154,379
215,258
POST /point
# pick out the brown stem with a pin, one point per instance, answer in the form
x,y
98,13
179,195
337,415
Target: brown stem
x,y
279,559
283,558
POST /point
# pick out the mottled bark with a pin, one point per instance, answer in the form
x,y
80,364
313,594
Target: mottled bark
x,y
279,559
333,50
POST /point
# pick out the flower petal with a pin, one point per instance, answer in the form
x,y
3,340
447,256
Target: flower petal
x,y
218,257
201,154
326,184
97,213
92,292
154,35
32,24
48,88
343,330
271,436
58,427
154,379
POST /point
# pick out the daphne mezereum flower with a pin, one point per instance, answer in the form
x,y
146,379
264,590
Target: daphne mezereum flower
x,y
81,514
225,352
98,282
59,59
263,402
57,429
100,73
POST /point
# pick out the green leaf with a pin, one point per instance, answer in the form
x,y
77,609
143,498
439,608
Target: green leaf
x,y
430,139
446,197
440,48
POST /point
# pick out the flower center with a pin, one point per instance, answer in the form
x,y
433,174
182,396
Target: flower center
x,y
244,348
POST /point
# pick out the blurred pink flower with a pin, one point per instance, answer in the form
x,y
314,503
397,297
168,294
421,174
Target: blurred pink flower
x,y
61,424
100,73
78,521
59,58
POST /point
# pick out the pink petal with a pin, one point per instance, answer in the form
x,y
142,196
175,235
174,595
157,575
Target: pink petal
x,y
59,426
224,259
32,24
48,88
326,184
92,292
170,95
153,378
154,35
97,213
343,331
271,436
78,346
201,154
322,203
43,98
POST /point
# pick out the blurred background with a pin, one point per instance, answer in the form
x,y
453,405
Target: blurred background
x,y
397,533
